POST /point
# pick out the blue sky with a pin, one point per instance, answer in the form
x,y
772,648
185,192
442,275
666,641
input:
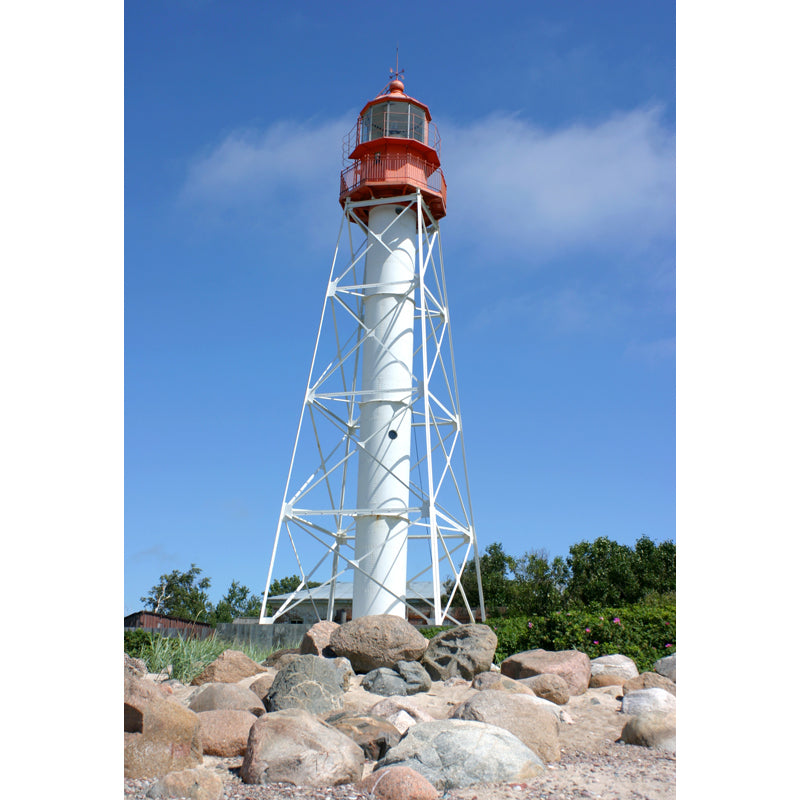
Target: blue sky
x,y
558,145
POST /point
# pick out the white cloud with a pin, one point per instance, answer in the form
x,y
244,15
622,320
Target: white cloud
x,y
289,169
511,185
609,186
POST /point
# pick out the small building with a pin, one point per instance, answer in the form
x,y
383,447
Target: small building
x,y
311,605
167,626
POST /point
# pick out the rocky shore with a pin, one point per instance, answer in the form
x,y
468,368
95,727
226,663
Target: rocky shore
x,y
412,724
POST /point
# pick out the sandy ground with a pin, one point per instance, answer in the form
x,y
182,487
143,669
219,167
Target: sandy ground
x,y
593,764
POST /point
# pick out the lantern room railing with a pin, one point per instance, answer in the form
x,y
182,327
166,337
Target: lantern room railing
x,y
393,169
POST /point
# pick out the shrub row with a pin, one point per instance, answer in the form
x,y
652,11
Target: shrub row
x,y
642,632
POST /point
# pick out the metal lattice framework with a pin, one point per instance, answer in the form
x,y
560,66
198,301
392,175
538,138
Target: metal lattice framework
x,y
318,515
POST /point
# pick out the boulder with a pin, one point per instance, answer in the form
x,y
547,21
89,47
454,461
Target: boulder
x,y
374,735
603,681
226,696
380,640
230,667
666,667
384,681
317,639
408,677
572,665
414,674
402,720
463,651
454,753
196,784
612,670
260,687
224,732
656,729
161,736
522,715
295,747
499,683
401,713
645,701
549,687
272,659
397,783
309,682
285,660
135,666
649,680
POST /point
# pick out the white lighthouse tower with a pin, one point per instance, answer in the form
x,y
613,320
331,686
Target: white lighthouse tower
x,y
377,507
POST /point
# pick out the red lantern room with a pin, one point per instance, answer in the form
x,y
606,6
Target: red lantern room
x,y
394,150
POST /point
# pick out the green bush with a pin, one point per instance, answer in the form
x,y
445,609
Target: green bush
x,y
643,632
136,642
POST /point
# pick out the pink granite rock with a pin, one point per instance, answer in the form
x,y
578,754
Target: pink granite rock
x,y
161,736
572,665
318,638
397,783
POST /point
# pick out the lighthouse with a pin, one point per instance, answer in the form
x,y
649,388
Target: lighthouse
x,y
377,489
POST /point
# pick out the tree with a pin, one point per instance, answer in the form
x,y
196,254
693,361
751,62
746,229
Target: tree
x,y
537,586
288,584
604,572
495,570
601,573
181,594
654,566
238,601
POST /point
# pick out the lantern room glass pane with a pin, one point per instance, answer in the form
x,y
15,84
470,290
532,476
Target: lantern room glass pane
x,y
395,120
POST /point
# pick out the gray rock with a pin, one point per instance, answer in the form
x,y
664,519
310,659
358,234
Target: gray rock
x,y
414,674
646,701
454,753
463,651
295,747
523,715
666,667
309,682
385,682
408,677
380,640
226,696
344,666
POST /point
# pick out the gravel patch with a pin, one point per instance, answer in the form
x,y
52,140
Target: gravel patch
x,y
615,771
